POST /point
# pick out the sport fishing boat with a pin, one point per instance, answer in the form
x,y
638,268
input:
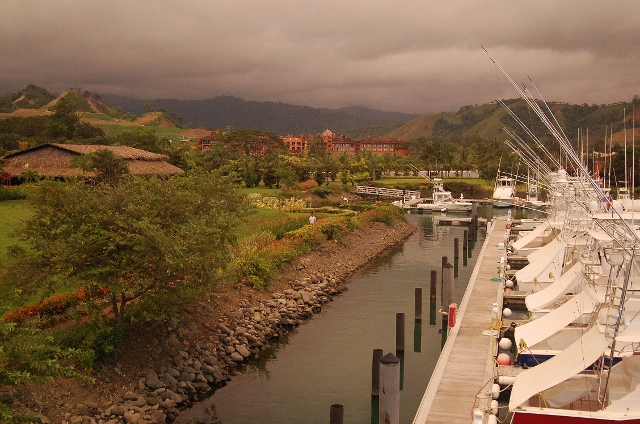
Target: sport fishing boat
x,y
443,201
593,374
504,192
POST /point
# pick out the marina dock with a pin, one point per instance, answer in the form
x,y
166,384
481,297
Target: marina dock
x,y
465,371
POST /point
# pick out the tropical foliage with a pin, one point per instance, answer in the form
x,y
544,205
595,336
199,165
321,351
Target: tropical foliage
x,y
142,239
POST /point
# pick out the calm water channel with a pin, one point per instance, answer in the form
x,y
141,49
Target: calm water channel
x,y
327,360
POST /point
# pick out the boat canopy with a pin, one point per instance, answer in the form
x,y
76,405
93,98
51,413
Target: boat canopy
x,y
574,359
545,264
531,236
600,235
549,249
542,328
563,285
630,332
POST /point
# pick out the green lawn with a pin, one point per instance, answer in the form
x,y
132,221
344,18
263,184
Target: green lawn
x,y
12,212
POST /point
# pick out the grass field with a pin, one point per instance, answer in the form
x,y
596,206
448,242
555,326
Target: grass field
x,y
12,212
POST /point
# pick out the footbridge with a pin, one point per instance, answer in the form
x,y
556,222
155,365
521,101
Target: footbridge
x,y
388,192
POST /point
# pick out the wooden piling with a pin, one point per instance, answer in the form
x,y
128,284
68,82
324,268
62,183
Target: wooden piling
x,y
417,336
456,246
418,304
337,414
432,297
375,372
432,285
489,212
444,262
465,241
474,213
400,332
447,286
389,390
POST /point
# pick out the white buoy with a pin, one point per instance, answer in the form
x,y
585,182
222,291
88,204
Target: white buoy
x,y
495,391
509,283
506,312
505,380
494,406
478,416
505,344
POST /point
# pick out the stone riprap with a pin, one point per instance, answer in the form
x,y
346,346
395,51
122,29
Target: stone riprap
x,y
195,372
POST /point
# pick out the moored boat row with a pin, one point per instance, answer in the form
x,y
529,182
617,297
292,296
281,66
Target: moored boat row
x,y
573,351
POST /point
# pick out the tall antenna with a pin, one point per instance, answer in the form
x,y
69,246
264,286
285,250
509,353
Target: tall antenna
x,y
624,119
604,158
610,153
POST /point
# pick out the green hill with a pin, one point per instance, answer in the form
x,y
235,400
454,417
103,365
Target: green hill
x,y
489,120
31,97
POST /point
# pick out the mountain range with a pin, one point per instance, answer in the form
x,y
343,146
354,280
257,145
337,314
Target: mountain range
x,y
281,118
228,112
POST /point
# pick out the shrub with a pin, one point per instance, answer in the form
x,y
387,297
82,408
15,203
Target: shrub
x,y
279,228
98,339
259,271
306,185
12,193
321,192
289,204
384,213
57,305
255,242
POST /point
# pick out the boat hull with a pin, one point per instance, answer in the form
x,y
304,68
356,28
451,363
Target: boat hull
x,y
450,207
536,205
504,203
530,417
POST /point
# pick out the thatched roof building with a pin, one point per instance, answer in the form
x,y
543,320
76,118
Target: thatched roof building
x,y
54,160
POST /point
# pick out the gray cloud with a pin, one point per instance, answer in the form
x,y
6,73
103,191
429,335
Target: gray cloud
x,y
408,55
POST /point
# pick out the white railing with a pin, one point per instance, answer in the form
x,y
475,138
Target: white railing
x,y
388,192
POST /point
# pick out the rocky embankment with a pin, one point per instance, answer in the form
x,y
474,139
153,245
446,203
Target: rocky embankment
x,y
193,361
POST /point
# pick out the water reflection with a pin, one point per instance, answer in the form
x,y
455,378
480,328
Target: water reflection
x,y
328,359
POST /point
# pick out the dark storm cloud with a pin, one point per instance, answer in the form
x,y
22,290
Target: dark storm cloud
x,y
407,55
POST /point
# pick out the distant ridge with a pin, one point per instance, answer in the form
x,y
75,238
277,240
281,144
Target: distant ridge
x,y
485,121
489,120
281,118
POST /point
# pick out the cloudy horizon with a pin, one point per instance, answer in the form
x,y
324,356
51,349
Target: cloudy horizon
x,y
408,56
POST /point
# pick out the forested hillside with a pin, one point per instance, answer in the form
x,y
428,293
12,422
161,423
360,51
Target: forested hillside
x,y
282,118
488,120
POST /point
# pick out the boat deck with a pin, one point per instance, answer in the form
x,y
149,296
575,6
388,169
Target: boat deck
x,y
464,369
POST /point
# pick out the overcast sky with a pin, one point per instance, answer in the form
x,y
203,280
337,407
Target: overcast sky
x,y
414,56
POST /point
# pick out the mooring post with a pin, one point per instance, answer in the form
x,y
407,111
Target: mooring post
x,y
418,304
432,285
337,413
447,287
456,246
465,240
432,297
417,336
474,215
375,372
489,212
389,389
444,262
447,299
400,332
